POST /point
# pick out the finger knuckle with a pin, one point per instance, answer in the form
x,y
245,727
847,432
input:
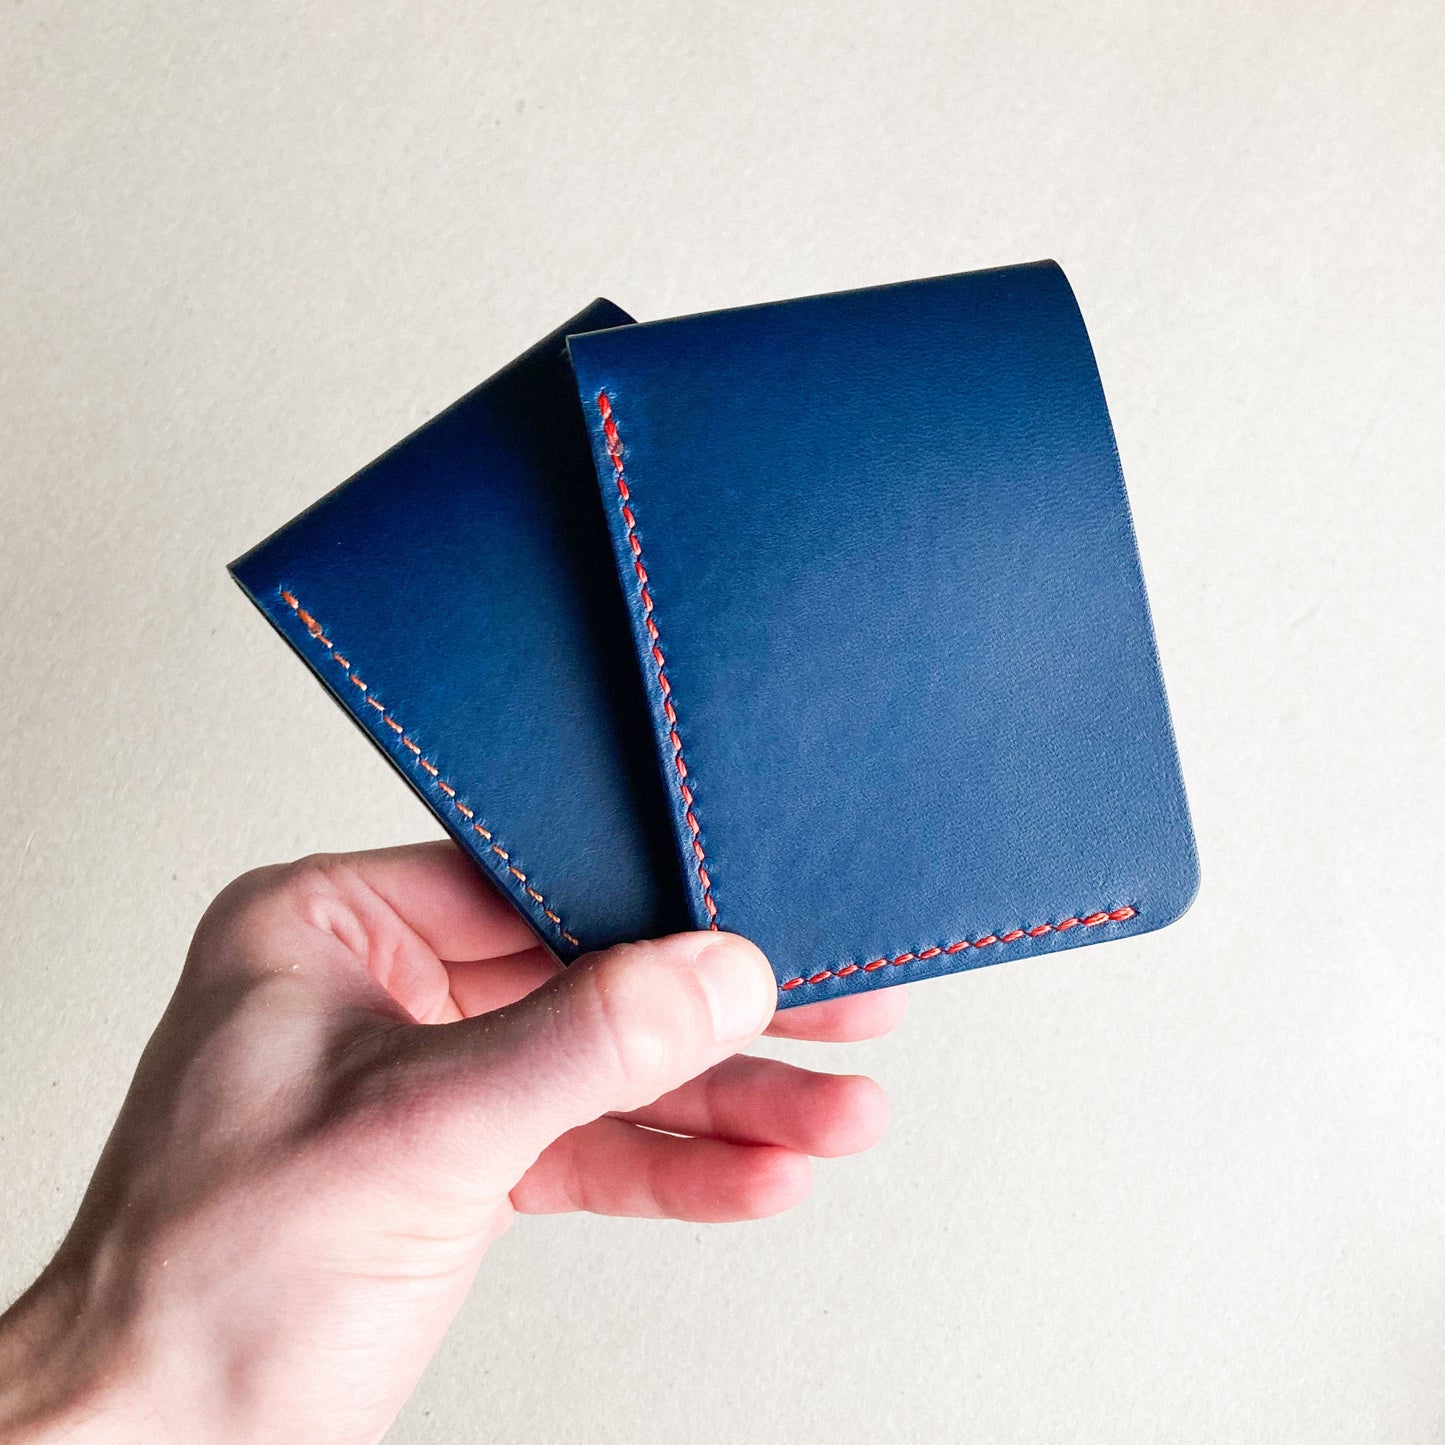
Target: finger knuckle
x,y
634,1024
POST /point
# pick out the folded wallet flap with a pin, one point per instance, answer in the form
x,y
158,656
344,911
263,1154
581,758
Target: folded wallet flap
x,y
884,589
457,597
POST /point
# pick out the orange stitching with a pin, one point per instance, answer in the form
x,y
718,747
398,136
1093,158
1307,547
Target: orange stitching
x,y
1091,920
315,629
659,661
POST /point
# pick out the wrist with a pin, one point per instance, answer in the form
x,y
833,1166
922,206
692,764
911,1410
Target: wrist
x,y
68,1369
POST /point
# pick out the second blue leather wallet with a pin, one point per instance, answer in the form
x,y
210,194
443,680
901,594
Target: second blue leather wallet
x,y
821,621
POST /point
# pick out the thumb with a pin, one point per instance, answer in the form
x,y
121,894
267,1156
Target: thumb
x,y
611,1033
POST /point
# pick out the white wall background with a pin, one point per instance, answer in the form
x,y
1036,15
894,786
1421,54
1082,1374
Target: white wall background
x,y
1187,1188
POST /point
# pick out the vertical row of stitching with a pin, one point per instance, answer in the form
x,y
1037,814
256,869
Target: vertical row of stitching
x,y
425,764
658,660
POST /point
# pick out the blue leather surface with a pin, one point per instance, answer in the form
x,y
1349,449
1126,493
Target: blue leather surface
x,y
901,673
458,598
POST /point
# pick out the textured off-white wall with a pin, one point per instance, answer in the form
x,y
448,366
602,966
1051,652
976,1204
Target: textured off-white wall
x,y
1189,1187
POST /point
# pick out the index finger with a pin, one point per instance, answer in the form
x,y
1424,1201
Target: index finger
x,y
443,898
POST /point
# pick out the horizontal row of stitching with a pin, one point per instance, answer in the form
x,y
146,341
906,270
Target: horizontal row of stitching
x,y
447,789
1089,920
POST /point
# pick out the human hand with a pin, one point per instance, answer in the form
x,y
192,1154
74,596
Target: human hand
x,y
368,1067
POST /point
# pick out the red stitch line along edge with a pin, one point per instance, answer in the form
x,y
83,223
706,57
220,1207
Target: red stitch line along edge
x,y
315,629
1089,920
659,662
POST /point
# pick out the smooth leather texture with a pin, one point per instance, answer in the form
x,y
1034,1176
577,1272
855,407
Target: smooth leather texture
x,y
878,687
458,598
884,588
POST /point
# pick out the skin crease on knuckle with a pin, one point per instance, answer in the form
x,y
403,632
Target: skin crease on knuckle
x,y
334,896
645,1017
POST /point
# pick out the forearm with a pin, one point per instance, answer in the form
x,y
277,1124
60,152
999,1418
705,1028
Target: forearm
x,y
64,1365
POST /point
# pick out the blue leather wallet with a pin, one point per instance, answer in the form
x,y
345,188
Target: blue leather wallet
x,y
850,653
